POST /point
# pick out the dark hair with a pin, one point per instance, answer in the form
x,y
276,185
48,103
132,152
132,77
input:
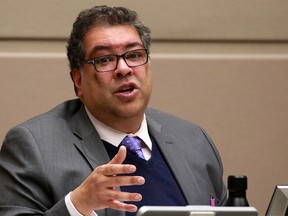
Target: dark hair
x,y
99,16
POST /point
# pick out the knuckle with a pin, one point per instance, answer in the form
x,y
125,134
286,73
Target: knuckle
x,y
118,180
117,205
100,169
97,182
111,170
116,195
106,170
97,178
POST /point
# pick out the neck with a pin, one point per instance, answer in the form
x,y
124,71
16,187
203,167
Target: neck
x,y
123,124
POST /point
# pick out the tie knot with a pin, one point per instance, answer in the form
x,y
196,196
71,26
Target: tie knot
x,y
133,144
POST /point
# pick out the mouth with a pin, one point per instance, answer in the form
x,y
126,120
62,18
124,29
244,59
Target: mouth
x,y
127,92
127,88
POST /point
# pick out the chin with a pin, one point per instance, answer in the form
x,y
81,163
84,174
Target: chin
x,y
130,111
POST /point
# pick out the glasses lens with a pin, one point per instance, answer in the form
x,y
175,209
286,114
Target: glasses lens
x,y
105,63
136,57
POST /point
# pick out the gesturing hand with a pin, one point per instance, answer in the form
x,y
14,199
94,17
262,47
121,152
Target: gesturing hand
x,y
98,190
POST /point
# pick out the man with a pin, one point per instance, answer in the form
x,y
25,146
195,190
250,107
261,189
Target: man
x,y
70,160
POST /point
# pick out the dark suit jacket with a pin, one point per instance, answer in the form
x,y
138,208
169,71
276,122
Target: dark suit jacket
x,y
46,157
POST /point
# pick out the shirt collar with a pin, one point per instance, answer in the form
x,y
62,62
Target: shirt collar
x,y
114,136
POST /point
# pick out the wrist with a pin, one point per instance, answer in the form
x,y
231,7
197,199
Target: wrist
x,y
79,205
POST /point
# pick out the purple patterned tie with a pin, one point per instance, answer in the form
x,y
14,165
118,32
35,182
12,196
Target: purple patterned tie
x,y
133,144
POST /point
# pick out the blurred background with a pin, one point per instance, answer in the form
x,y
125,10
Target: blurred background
x,y
220,63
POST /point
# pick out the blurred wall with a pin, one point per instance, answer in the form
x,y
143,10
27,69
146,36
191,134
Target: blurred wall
x,y
220,63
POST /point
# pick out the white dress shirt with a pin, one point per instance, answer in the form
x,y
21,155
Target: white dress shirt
x,y
114,137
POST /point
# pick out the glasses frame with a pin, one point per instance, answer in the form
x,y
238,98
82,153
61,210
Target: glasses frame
x,y
93,60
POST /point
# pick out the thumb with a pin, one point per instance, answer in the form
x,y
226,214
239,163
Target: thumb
x,y
120,156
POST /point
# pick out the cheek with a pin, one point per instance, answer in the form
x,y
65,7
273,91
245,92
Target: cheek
x,y
97,84
148,77
150,86
86,85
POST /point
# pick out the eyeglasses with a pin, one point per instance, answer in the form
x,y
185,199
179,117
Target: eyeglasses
x,y
107,63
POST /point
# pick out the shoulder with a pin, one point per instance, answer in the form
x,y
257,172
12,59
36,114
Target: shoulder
x,y
56,119
64,111
188,135
166,119
170,124
46,129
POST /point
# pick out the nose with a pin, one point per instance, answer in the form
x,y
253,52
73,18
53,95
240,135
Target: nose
x,y
122,69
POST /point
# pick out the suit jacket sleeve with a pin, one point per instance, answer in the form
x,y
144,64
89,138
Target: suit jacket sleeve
x,y
23,178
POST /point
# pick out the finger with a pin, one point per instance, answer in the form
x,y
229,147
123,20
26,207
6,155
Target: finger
x,y
109,170
123,196
117,181
120,156
123,206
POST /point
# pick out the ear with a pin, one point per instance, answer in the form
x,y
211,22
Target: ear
x,y
76,78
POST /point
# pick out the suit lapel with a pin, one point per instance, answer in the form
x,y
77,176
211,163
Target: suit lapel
x,y
168,147
90,144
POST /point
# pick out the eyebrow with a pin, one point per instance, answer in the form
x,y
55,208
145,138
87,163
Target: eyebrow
x,y
109,47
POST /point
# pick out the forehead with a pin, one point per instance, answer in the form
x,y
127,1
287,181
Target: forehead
x,y
111,38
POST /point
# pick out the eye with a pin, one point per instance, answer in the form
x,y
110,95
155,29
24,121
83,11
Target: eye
x,y
134,55
104,60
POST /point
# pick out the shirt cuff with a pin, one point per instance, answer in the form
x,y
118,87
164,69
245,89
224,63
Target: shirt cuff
x,y
71,208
